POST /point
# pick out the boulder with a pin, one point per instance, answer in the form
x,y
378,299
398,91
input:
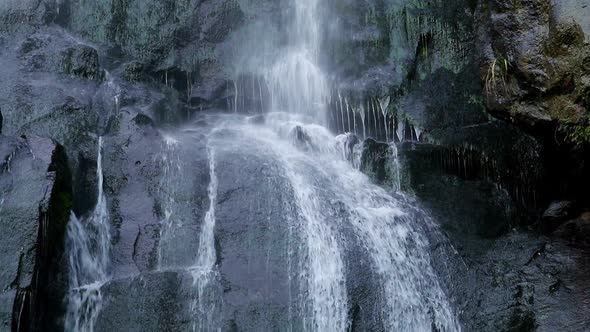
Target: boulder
x,y
576,230
34,208
300,138
53,50
531,56
556,214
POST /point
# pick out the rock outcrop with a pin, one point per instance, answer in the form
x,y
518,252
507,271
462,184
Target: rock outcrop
x,y
534,58
35,201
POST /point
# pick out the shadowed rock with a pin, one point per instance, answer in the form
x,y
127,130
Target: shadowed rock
x,y
34,207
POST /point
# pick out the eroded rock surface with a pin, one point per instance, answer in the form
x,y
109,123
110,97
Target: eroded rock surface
x,y
34,209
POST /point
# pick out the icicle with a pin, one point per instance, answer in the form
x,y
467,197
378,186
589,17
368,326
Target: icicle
x,y
253,91
341,112
368,117
362,110
418,133
401,130
260,93
375,120
354,119
348,116
384,104
235,96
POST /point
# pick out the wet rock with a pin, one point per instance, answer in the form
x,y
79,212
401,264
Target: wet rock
x,y
257,119
577,230
143,120
531,59
34,211
158,301
300,138
26,15
134,71
256,260
181,54
557,213
508,295
486,211
376,161
350,141
537,254
52,50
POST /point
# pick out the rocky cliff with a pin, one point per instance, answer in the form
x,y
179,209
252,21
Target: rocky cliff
x,y
34,210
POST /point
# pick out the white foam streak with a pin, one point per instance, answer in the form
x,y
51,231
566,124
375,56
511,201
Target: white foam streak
x,y
88,247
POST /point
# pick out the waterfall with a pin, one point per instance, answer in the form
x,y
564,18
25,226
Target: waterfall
x,y
204,305
331,194
297,83
88,248
172,172
396,167
338,215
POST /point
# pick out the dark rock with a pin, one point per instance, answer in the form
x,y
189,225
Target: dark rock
x,y
557,213
349,142
158,301
487,211
52,50
531,57
537,254
143,120
82,61
26,15
577,230
35,204
257,119
376,161
134,71
300,138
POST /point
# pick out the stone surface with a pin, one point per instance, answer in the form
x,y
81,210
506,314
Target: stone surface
x,y
34,210
557,213
376,161
532,58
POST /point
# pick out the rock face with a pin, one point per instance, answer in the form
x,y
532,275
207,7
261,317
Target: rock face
x,y
34,210
534,60
376,161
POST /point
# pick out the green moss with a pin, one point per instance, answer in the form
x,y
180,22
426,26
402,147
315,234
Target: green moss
x,y
577,133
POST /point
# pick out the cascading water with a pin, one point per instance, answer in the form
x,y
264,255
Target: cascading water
x,y
88,246
203,272
413,298
172,172
296,82
344,233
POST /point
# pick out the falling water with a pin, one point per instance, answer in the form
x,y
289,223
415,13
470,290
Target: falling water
x,y
88,246
396,167
203,272
331,195
172,172
318,165
296,82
